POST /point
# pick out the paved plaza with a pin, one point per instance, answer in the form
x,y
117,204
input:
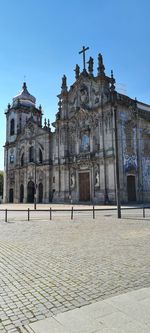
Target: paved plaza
x,y
50,267
127,313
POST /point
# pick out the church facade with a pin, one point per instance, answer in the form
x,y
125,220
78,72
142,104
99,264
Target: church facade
x,y
76,162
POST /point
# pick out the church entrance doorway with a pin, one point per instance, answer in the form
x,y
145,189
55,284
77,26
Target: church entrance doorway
x,y
84,186
131,188
30,192
40,193
21,193
11,195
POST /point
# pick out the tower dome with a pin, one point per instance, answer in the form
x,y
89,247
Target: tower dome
x,y
24,98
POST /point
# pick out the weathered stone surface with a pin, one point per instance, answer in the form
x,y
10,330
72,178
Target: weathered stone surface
x,y
39,164
49,267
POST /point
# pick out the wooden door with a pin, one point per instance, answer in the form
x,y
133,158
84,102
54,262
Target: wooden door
x,y
131,188
31,192
11,195
40,193
21,193
84,186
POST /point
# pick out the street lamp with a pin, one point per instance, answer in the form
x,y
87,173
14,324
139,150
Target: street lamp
x,y
35,197
35,184
117,166
114,105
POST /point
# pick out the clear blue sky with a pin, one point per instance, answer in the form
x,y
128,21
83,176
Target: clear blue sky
x,y
41,40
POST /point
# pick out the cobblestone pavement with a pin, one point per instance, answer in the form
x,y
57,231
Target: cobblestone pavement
x,y
48,267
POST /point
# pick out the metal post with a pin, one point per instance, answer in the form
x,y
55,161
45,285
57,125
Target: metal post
x,y
35,201
28,214
50,211
143,211
72,213
35,194
117,166
93,212
5,215
35,186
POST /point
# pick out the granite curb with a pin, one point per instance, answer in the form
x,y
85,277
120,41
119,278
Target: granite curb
x,y
126,313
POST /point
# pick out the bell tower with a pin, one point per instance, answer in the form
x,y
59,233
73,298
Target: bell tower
x,y
18,113
22,108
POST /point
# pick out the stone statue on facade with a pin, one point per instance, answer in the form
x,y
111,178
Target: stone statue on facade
x,y
112,87
101,67
72,180
84,97
90,67
97,179
64,84
77,72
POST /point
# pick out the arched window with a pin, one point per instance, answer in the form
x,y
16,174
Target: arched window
x,y
40,193
21,193
31,154
85,142
40,156
22,159
30,192
11,158
12,127
11,195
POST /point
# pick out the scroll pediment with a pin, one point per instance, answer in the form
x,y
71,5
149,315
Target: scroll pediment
x,y
81,115
84,119
31,129
84,94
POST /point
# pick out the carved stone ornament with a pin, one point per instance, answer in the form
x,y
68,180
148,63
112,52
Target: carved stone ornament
x,y
79,119
77,72
21,150
83,120
12,175
41,175
90,67
130,163
73,100
85,142
72,180
21,177
84,166
30,174
31,126
97,179
146,173
84,95
96,96
130,137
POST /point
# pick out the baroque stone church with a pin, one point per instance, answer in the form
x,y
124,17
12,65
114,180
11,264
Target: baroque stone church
x,y
76,161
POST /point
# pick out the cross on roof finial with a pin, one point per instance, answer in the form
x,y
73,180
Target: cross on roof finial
x,y
24,83
84,49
